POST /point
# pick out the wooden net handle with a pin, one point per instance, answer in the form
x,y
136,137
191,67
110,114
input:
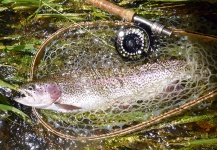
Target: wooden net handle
x,y
114,9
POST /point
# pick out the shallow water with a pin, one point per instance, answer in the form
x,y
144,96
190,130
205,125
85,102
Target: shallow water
x,y
22,38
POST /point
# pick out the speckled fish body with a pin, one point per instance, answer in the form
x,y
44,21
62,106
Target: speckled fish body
x,y
87,91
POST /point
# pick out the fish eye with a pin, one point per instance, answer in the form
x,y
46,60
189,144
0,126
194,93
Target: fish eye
x,y
31,87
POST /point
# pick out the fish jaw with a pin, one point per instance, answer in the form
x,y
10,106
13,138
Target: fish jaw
x,y
33,100
44,96
40,95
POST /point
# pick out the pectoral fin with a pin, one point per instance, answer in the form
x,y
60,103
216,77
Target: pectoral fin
x,y
66,107
62,107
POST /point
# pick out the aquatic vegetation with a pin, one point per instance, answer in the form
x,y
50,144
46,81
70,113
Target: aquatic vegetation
x,y
5,84
16,111
6,106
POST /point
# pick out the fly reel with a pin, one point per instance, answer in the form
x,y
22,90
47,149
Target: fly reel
x,y
132,43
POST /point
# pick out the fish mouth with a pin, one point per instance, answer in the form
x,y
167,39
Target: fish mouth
x,y
23,94
28,98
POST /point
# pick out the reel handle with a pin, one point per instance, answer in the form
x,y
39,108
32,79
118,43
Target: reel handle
x,y
114,9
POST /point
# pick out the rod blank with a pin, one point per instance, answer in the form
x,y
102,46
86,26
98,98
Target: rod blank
x,y
114,9
130,16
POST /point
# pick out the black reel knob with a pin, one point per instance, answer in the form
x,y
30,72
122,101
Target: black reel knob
x,y
132,43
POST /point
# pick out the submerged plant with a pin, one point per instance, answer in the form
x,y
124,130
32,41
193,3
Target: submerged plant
x,y
5,104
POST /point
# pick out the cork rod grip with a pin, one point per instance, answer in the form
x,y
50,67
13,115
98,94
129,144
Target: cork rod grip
x,y
112,8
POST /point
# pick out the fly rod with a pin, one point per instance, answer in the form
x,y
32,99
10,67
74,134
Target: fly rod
x,y
130,16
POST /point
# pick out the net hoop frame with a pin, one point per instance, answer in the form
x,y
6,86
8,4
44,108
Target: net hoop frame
x,y
142,125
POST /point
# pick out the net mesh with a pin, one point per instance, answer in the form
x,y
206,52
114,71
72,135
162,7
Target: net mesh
x,y
86,51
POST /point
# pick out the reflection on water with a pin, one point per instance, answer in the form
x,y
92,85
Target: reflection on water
x,y
16,134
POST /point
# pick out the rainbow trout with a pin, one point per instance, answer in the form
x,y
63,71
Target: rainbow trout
x,y
87,91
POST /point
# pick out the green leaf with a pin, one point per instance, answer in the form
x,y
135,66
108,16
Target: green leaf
x,y
5,84
3,100
20,1
25,48
203,141
5,50
16,111
3,8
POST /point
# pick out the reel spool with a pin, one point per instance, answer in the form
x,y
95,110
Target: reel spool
x,y
132,43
